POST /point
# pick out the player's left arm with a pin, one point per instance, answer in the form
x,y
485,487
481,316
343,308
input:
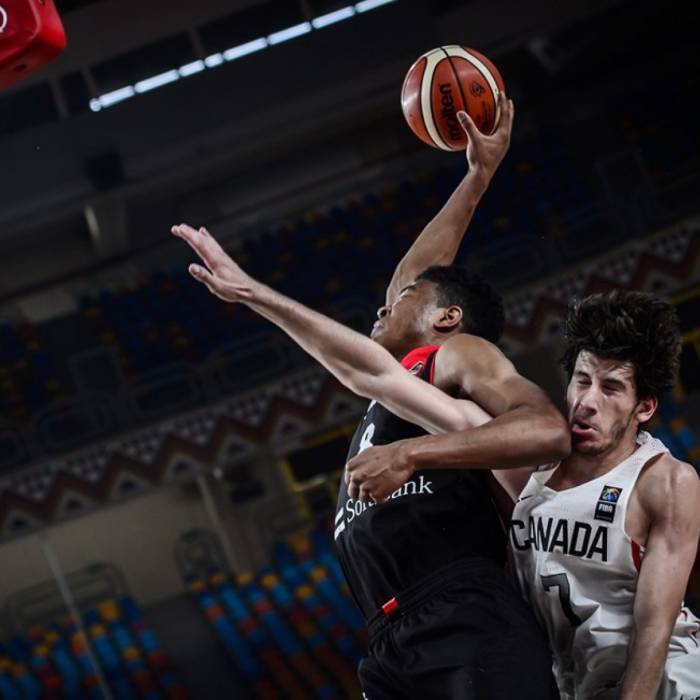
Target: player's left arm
x,y
439,241
362,365
672,499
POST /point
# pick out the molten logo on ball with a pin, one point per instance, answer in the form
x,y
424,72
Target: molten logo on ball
x,y
443,82
3,19
449,112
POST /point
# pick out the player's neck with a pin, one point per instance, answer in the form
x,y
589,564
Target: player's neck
x,y
419,342
580,467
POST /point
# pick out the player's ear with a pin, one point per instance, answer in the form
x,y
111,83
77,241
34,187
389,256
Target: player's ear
x,y
646,409
448,318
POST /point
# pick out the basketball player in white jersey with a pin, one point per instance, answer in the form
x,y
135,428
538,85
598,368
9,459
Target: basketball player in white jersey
x,y
603,543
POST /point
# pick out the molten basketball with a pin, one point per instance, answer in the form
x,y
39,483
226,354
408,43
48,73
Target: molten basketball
x,y
443,82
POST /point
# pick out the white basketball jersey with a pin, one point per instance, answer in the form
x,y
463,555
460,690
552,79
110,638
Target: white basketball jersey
x,y
578,568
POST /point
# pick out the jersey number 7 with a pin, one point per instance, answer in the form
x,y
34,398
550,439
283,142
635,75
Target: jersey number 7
x,y
561,582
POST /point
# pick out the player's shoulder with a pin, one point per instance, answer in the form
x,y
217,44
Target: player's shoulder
x,y
665,479
464,359
671,470
470,355
470,347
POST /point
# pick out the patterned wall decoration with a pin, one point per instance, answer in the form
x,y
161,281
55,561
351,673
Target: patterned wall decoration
x,y
177,449
663,263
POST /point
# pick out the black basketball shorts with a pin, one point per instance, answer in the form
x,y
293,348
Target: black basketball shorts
x,y
463,633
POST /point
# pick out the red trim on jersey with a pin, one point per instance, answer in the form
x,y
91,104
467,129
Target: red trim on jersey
x,y
420,355
636,556
391,606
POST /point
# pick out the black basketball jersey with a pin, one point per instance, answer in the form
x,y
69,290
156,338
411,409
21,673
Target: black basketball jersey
x,y
436,518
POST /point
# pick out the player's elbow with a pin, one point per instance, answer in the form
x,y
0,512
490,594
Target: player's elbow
x,y
548,434
556,434
358,384
365,383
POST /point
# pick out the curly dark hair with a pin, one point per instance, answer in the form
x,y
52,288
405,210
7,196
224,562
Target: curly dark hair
x,y
630,326
482,306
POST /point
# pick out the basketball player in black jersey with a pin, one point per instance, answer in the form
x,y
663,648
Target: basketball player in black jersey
x,y
426,565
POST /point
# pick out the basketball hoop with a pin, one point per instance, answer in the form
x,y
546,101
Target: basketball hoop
x,y
31,35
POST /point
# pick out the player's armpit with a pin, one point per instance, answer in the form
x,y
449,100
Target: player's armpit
x,y
510,484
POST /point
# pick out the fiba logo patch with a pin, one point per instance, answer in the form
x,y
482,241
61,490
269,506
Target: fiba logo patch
x,y
610,494
607,502
3,19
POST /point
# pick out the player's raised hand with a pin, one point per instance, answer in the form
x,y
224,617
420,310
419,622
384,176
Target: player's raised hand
x,y
222,275
486,151
376,472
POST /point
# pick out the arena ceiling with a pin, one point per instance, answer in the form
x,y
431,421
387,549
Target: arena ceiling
x,y
231,140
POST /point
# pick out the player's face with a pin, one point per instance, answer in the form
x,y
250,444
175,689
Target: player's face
x,y
603,405
408,322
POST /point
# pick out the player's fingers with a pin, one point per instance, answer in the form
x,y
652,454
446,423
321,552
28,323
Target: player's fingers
x,y
215,285
193,238
351,466
359,476
502,110
506,113
189,234
201,242
377,487
467,124
365,495
511,115
353,489
380,494
211,243
201,274
184,231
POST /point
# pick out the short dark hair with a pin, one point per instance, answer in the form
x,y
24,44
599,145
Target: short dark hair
x,y
628,326
482,306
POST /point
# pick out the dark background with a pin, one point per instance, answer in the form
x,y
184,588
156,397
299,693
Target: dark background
x,y
139,414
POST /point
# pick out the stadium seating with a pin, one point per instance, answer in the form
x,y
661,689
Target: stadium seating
x,y
289,628
54,662
325,256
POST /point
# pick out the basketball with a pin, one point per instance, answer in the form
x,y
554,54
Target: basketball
x,y
441,83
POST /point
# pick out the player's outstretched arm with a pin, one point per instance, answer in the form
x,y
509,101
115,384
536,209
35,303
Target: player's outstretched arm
x,y
439,241
356,361
669,493
527,428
